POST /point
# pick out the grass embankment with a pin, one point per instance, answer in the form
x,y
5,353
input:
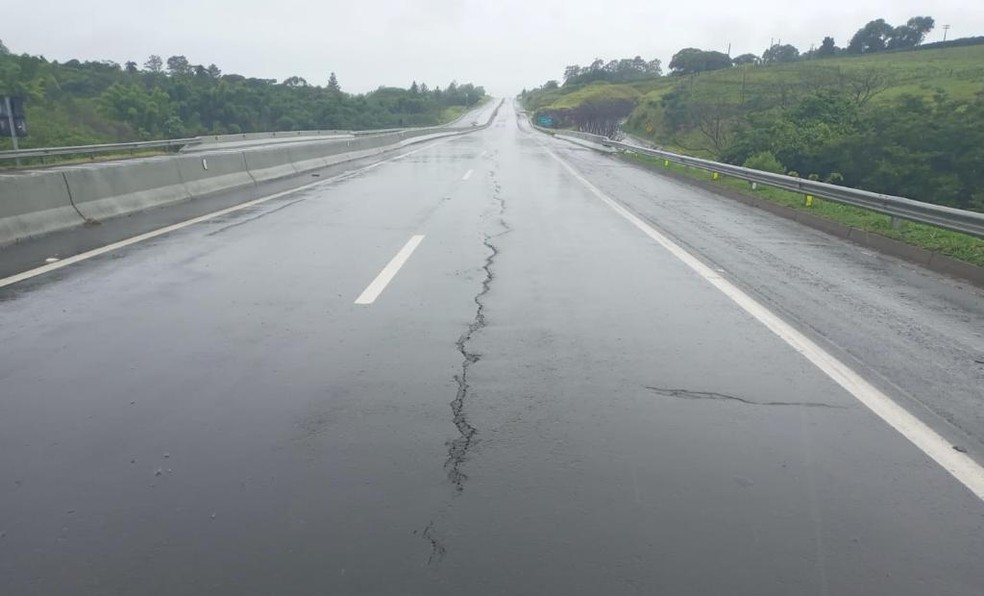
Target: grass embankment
x,y
957,72
453,113
886,76
953,244
596,93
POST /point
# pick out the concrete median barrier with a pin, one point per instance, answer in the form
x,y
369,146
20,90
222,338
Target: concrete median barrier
x,y
210,173
269,163
111,190
312,156
34,204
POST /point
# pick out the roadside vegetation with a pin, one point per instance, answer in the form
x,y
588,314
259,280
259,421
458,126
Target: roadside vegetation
x,y
80,103
885,113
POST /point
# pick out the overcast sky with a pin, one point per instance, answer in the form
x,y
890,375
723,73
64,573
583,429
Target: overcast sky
x,y
505,45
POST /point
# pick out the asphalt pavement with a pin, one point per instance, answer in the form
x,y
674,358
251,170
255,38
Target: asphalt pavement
x,y
464,371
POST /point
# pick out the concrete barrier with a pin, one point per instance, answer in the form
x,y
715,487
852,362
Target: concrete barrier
x,y
210,173
376,141
36,203
33,204
110,190
422,137
254,136
312,156
268,163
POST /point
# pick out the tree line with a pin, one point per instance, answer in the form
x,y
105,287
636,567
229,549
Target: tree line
x,y
78,102
875,36
624,70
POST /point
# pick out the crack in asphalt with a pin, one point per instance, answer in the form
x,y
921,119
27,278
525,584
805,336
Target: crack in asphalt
x,y
437,549
459,447
497,196
710,395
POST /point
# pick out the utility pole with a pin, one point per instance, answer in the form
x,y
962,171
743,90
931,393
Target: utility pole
x,y
946,29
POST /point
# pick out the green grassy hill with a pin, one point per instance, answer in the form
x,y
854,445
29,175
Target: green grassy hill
x,y
908,123
957,72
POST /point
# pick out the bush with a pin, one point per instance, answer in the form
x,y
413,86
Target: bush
x,y
765,162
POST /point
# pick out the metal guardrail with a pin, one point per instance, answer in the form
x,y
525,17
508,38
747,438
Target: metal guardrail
x,y
258,136
89,149
957,220
42,152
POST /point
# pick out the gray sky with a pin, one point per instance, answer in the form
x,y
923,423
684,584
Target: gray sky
x,y
505,45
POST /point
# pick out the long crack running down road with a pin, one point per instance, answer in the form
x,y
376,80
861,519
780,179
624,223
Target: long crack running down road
x,y
495,363
458,448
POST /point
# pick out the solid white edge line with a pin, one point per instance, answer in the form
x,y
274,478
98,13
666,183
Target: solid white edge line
x,y
960,465
385,276
468,174
25,275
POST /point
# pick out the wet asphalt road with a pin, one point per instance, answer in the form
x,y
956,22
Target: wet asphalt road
x,y
542,401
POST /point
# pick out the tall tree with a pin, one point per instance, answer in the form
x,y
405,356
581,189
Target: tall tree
x,y
694,60
295,82
333,85
780,53
745,59
686,61
912,33
154,64
827,49
873,37
178,65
